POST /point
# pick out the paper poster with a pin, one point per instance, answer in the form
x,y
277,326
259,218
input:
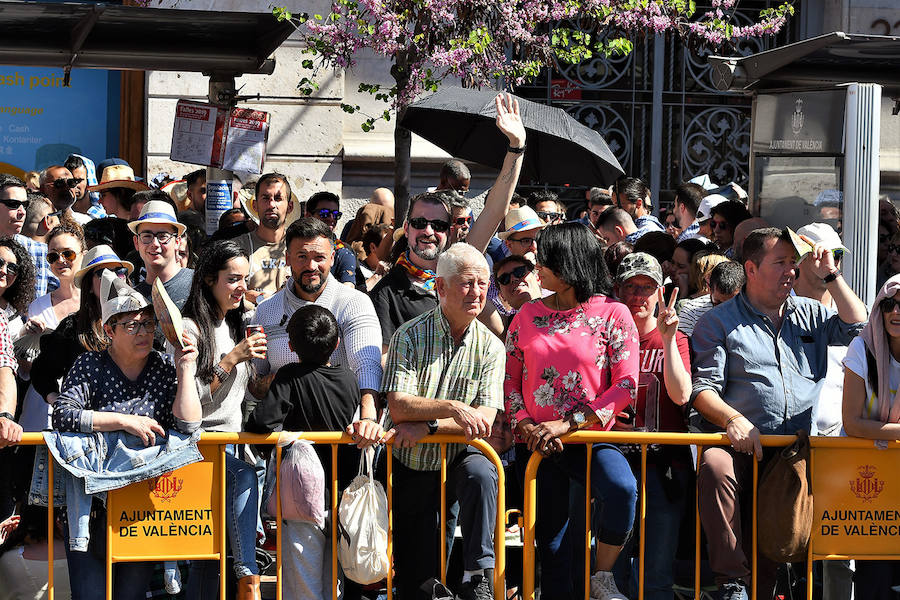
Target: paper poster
x,y
205,134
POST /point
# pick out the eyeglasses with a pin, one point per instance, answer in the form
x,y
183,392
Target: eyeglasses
x,y
62,184
12,269
888,305
525,241
519,273
719,225
549,216
325,213
163,237
69,255
15,204
460,221
121,272
634,289
136,327
438,225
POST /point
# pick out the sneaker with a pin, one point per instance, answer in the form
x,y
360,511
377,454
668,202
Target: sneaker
x,y
480,587
603,587
733,590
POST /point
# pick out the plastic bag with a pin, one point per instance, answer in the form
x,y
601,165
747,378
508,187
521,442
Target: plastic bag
x,y
363,526
302,485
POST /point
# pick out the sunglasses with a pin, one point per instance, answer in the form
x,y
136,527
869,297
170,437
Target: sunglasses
x,y
438,225
325,213
121,272
62,184
888,305
718,225
549,216
460,221
893,248
15,204
519,273
69,255
12,269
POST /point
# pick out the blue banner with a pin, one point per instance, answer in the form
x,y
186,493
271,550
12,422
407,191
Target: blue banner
x,y
42,122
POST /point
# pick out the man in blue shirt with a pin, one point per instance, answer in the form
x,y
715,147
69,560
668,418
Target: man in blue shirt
x,y
761,360
325,207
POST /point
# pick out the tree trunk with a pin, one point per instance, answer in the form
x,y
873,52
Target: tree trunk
x,y
402,167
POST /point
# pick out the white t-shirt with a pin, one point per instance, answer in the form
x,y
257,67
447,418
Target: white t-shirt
x,y
856,362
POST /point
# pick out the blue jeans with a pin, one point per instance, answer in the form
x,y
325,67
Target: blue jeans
x,y
666,502
87,572
612,484
241,511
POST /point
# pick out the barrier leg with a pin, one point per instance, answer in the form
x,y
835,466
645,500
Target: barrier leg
x,y
278,573
390,533
443,541
334,521
643,522
529,508
754,572
587,521
697,527
51,525
223,538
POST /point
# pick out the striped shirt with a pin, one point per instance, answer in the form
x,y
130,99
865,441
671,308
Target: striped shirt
x,y
424,361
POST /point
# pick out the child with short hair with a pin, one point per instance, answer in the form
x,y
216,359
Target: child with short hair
x,y
311,395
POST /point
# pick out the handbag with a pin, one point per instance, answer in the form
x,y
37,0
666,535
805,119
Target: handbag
x,y
363,525
302,485
785,504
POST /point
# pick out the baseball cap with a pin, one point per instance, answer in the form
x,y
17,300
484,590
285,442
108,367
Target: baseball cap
x,y
639,263
823,234
704,211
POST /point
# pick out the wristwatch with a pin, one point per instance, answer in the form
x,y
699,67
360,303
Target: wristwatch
x,y
8,415
220,373
579,420
512,150
831,276
432,426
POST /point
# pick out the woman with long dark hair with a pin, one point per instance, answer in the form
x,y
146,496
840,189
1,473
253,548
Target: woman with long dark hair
x,y
16,283
215,319
572,363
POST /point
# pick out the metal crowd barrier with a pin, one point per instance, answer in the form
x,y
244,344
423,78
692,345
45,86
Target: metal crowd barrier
x,y
334,440
680,439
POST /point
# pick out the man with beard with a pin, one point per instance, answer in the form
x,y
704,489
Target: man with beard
x,y
265,246
407,290
310,254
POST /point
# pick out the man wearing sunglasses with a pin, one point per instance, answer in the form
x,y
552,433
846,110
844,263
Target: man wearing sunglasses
x,y
548,207
517,283
407,290
58,184
326,207
14,203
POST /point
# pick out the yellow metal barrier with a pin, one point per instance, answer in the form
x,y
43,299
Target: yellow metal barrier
x,y
680,439
334,439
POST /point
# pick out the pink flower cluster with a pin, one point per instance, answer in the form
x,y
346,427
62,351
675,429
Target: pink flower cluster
x,y
482,41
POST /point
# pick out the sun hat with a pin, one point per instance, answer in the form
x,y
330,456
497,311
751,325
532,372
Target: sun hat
x,y
158,212
520,219
118,176
101,256
704,211
177,191
824,235
639,263
117,297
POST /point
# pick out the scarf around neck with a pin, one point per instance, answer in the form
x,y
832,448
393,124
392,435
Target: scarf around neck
x,y
423,277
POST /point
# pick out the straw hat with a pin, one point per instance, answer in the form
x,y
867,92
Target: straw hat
x,y
520,219
159,212
118,176
101,256
117,297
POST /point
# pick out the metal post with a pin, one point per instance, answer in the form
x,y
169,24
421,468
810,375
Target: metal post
x,y
656,126
218,181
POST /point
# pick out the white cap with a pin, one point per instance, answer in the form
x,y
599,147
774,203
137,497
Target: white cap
x,y
704,211
117,297
823,234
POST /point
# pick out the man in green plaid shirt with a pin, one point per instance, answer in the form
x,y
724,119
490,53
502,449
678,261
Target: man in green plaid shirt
x,y
444,375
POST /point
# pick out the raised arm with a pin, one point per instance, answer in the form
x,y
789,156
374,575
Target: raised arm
x,y
496,205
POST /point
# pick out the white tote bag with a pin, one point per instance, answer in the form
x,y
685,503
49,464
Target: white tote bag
x,y
363,526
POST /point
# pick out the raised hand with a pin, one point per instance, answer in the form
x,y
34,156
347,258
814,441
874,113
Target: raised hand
x,y
822,257
667,321
509,121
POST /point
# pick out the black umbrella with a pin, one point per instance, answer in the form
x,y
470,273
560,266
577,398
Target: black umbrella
x,y
559,149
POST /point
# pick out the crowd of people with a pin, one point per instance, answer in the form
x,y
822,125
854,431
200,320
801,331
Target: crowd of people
x,y
517,325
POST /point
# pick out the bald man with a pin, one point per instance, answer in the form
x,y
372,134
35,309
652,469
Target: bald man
x,y
742,230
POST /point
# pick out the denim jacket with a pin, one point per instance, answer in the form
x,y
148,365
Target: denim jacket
x,y
772,377
94,463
